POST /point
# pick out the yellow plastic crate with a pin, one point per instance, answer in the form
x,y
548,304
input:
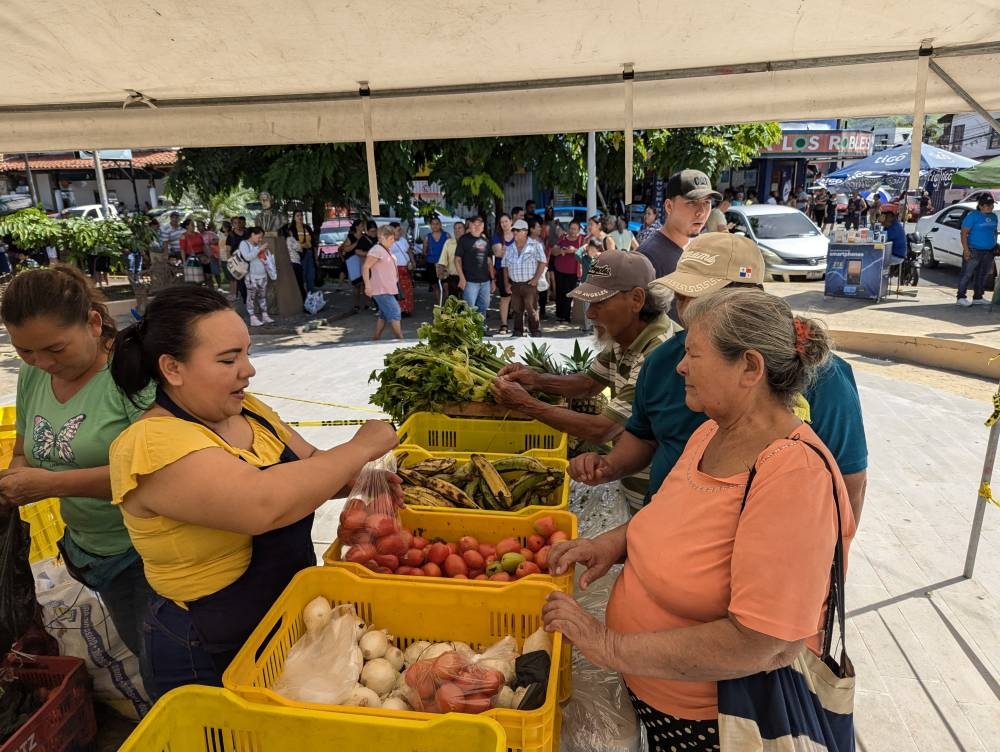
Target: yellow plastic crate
x,y
208,719
486,527
46,528
412,610
441,433
46,523
559,498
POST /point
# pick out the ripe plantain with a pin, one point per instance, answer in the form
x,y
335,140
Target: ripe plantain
x,y
493,483
434,466
423,497
448,491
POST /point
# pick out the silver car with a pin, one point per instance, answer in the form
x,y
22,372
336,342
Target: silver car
x,y
791,244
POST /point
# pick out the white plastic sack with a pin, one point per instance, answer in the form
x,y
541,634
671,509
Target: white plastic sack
x,y
314,302
75,616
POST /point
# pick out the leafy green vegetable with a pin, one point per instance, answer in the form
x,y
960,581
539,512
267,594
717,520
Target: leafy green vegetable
x,y
453,364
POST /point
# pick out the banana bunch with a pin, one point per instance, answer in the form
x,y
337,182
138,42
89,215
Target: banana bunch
x,y
504,485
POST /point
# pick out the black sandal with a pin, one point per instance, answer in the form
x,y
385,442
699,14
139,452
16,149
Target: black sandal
x,y
503,330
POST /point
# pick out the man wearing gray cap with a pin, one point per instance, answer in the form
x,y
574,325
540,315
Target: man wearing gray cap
x,y
630,322
687,206
661,422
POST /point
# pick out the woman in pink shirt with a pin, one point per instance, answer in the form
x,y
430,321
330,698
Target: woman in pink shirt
x,y
712,589
382,282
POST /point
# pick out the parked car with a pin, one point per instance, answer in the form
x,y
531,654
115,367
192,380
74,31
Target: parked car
x,y
13,202
332,233
791,244
90,211
942,235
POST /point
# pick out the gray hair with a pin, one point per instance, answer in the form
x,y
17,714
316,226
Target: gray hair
x,y
658,300
739,320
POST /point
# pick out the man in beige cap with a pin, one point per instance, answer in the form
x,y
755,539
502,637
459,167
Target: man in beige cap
x,y
661,423
629,322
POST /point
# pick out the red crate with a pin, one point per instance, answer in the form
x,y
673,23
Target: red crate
x,y
65,723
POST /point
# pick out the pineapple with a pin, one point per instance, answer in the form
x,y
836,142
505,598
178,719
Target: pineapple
x,y
539,358
579,362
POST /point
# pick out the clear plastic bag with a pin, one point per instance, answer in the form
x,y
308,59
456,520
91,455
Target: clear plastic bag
x,y
598,508
325,664
369,522
457,680
598,716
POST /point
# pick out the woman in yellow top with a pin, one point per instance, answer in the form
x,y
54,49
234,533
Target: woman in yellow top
x,y
219,538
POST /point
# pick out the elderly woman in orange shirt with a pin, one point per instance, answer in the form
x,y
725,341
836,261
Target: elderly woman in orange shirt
x,y
712,589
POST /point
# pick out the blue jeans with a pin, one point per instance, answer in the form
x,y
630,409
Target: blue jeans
x,y
477,295
309,270
174,652
975,271
388,307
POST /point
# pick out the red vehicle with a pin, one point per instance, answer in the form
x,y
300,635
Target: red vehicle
x,y
332,233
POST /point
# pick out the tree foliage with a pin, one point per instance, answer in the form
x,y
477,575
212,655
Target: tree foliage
x,y
471,171
710,149
33,230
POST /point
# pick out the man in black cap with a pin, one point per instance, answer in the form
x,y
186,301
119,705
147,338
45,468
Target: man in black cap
x,y
687,206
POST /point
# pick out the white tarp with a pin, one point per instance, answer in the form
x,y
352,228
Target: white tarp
x,y
69,66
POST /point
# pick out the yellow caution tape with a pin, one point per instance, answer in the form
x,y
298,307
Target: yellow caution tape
x,y
325,423
992,420
986,492
320,402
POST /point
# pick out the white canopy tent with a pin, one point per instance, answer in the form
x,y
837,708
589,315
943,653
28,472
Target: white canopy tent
x,y
247,72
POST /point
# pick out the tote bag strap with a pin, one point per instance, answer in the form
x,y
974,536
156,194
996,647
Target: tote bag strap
x,y
835,607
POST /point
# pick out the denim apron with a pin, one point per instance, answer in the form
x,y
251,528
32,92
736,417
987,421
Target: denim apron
x,y
196,644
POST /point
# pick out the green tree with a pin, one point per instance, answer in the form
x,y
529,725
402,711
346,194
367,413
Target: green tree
x,y
308,173
710,149
473,171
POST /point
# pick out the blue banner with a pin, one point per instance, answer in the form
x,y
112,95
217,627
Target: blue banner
x,y
857,270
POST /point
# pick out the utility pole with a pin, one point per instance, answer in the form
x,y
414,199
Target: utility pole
x,y
31,181
102,188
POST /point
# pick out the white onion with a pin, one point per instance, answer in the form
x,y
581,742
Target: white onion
x,y
379,676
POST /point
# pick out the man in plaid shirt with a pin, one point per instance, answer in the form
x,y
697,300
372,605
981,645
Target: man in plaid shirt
x,y
523,266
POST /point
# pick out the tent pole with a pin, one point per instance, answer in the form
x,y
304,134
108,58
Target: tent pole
x,y
591,174
982,501
628,75
366,109
955,87
917,138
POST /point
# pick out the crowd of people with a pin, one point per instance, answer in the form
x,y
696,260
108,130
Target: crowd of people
x,y
189,503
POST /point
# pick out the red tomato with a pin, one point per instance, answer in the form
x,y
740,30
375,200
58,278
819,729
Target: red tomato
x,y
474,559
557,536
431,569
437,553
507,546
542,558
545,526
535,542
455,565
467,543
414,557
